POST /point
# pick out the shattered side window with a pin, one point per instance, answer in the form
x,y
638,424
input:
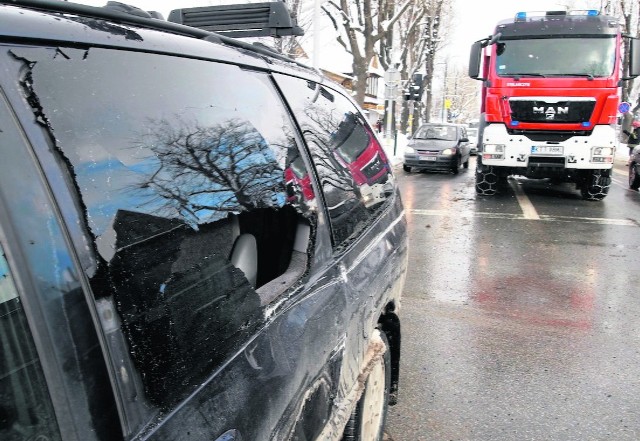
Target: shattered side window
x,y
186,170
352,165
25,407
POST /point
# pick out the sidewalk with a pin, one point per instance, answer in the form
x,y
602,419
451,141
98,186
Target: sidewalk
x,y
394,149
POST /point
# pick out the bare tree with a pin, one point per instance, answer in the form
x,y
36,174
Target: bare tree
x,y
464,95
227,167
291,46
435,33
420,34
361,24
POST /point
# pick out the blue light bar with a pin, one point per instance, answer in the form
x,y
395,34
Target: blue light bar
x,y
585,12
586,124
523,16
515,123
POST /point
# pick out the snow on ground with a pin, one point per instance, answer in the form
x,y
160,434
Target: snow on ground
x,y
394,149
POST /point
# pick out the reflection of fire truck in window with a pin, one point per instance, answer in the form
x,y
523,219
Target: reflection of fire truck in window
x,y
298,182
358,150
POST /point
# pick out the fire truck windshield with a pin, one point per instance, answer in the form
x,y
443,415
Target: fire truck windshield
x,y
543,57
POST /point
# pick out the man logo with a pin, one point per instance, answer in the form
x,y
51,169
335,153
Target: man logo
x,y
551,112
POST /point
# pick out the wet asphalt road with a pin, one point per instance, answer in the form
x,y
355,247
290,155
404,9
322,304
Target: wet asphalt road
x,y
520,314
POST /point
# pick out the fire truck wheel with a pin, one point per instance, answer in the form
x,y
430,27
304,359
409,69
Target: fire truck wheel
x,y
634,176
486,180
596,186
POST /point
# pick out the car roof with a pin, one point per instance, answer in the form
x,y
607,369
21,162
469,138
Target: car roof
x,y
441,124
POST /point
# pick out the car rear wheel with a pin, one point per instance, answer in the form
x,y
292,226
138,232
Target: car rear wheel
x,y
406,168
368,419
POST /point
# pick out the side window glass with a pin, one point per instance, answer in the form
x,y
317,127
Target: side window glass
x,y
200,205
351,164
25,407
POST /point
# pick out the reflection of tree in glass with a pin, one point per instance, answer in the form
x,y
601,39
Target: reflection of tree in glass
x,y
202,171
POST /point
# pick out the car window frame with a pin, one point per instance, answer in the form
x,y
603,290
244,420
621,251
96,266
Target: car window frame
x,y
338,249
71,413
63,194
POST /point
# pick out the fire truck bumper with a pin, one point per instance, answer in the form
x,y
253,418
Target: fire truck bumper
x,y
532,154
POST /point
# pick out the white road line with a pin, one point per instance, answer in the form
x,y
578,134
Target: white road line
x,y
620,184
618,172
528,210
543,218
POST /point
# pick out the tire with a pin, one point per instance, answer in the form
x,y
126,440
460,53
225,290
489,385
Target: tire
x,y
456,168
406,168
486,180
596,185
368,418
465,164
634,176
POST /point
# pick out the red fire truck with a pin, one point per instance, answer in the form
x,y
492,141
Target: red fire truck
x,y
550,95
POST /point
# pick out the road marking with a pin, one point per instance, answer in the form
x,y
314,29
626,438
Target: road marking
x,y
618,172
624,184
542,218
528,210
620,184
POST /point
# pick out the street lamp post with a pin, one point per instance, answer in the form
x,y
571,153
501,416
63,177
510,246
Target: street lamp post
x,y
444,95
392,83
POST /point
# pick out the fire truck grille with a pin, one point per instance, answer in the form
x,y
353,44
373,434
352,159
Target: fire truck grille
x,y
373,168
555,112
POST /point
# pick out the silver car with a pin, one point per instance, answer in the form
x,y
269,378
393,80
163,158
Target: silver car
x,y
438,146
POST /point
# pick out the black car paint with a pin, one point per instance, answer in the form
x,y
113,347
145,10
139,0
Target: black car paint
x,y
277,383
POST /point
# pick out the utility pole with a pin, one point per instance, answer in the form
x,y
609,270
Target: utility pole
x,y
444,95
391,83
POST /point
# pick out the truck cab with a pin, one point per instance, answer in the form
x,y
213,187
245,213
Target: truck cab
x,y
550,92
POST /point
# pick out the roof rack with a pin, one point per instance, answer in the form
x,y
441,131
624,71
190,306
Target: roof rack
x,y
270,19
138,17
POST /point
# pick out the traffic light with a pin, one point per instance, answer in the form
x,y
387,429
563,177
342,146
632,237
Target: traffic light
x,y
414,88
416,81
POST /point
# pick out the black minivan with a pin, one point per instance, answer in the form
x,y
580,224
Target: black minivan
x,y
184,256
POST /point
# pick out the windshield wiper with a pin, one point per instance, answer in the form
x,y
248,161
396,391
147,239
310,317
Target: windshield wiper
x,y
584,75
517,76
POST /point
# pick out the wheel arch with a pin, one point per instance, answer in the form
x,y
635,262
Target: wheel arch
x,y
389,323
